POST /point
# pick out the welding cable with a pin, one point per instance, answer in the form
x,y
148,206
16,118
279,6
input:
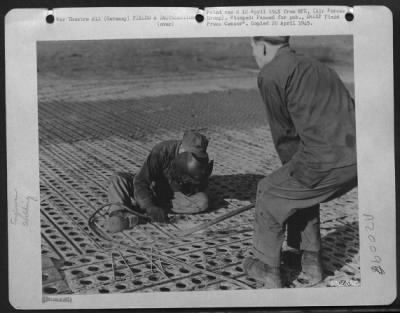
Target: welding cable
x,y
168,259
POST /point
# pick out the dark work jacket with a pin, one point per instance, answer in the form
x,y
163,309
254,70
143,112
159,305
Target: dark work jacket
x,y
311,115
152,184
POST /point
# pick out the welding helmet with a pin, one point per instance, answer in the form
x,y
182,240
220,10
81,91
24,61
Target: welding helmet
x,y
188,169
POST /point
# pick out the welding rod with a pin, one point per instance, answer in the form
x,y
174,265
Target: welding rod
x,y
215,221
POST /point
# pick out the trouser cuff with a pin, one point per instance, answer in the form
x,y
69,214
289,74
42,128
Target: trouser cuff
x,y
267,259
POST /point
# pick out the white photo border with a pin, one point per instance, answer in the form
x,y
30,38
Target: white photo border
x,y
373,76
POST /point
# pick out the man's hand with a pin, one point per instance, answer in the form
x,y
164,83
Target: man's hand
x,y
158,215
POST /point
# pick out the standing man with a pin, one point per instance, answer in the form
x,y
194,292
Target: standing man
x,y
173,178
312,120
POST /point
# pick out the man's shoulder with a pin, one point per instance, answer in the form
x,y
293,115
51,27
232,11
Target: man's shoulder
x,y
166,146
280,66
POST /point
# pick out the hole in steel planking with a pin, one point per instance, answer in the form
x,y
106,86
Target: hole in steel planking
x,y
225,273
119,274
100,257
76,272
120,287
108,265
45,277
184,270
50,290
68,263
93,268
104,290
164,289
71,255
196,281
211,277
48,231
86,282
223,287
137,282
102,278
85,260
180,285
153,278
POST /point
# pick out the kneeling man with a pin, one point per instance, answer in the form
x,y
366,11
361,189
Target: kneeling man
x,y
173,178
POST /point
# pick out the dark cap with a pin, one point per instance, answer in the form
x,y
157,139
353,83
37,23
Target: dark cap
x,y
274,40
195,143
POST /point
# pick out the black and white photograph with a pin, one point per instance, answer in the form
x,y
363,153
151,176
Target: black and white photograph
x,y
197,164
230,161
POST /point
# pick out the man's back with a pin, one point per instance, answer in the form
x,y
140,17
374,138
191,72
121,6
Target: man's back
x,y
311,114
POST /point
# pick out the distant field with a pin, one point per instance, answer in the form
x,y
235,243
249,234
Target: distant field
x,y
160,57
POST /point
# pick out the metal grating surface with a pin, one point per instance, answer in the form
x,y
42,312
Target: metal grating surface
x,y
83,143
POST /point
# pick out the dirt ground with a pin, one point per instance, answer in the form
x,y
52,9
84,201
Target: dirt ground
x,y
104,104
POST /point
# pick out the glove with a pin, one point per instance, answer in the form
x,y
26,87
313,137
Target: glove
x,y
157,214
120,220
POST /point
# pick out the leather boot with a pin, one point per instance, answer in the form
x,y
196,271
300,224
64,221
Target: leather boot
x,y
268,275
120,220
311,268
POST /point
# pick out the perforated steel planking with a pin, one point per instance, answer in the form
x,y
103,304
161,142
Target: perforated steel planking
x,y
82,144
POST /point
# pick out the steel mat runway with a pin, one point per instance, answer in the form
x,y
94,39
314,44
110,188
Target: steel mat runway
x,y
83,143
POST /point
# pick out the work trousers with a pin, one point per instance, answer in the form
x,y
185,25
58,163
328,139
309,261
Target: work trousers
x,y
121,190
283,202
